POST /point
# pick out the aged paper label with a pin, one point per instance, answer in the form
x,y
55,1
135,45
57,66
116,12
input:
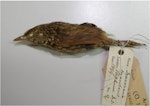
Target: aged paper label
x,y
136,92
117,76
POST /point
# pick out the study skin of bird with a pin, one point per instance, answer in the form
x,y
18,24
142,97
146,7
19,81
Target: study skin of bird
x,y
70,38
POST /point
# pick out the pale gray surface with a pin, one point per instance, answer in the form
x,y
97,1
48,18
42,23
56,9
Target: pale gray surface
x,y
33,76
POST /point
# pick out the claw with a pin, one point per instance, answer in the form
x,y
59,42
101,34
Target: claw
x,y
133,43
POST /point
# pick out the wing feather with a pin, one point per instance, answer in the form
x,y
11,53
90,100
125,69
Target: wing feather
x,y
80,37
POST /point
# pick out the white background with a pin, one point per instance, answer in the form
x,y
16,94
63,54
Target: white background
x,y
36,76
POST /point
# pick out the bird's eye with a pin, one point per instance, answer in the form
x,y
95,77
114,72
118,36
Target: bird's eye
x,y
41,34
31,35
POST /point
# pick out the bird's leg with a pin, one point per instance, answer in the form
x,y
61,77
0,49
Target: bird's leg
x,y
128,43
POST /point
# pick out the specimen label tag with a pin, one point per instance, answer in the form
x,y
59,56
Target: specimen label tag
x,y
136,93
117,76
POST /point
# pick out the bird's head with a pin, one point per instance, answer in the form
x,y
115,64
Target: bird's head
x,y
34,35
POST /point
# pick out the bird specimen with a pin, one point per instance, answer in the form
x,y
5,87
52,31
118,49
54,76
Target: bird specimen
x,y
71,38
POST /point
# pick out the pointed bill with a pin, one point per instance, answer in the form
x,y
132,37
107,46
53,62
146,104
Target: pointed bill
x,y
20,38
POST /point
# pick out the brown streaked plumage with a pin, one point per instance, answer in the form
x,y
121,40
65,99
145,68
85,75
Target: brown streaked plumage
x,y
70,38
